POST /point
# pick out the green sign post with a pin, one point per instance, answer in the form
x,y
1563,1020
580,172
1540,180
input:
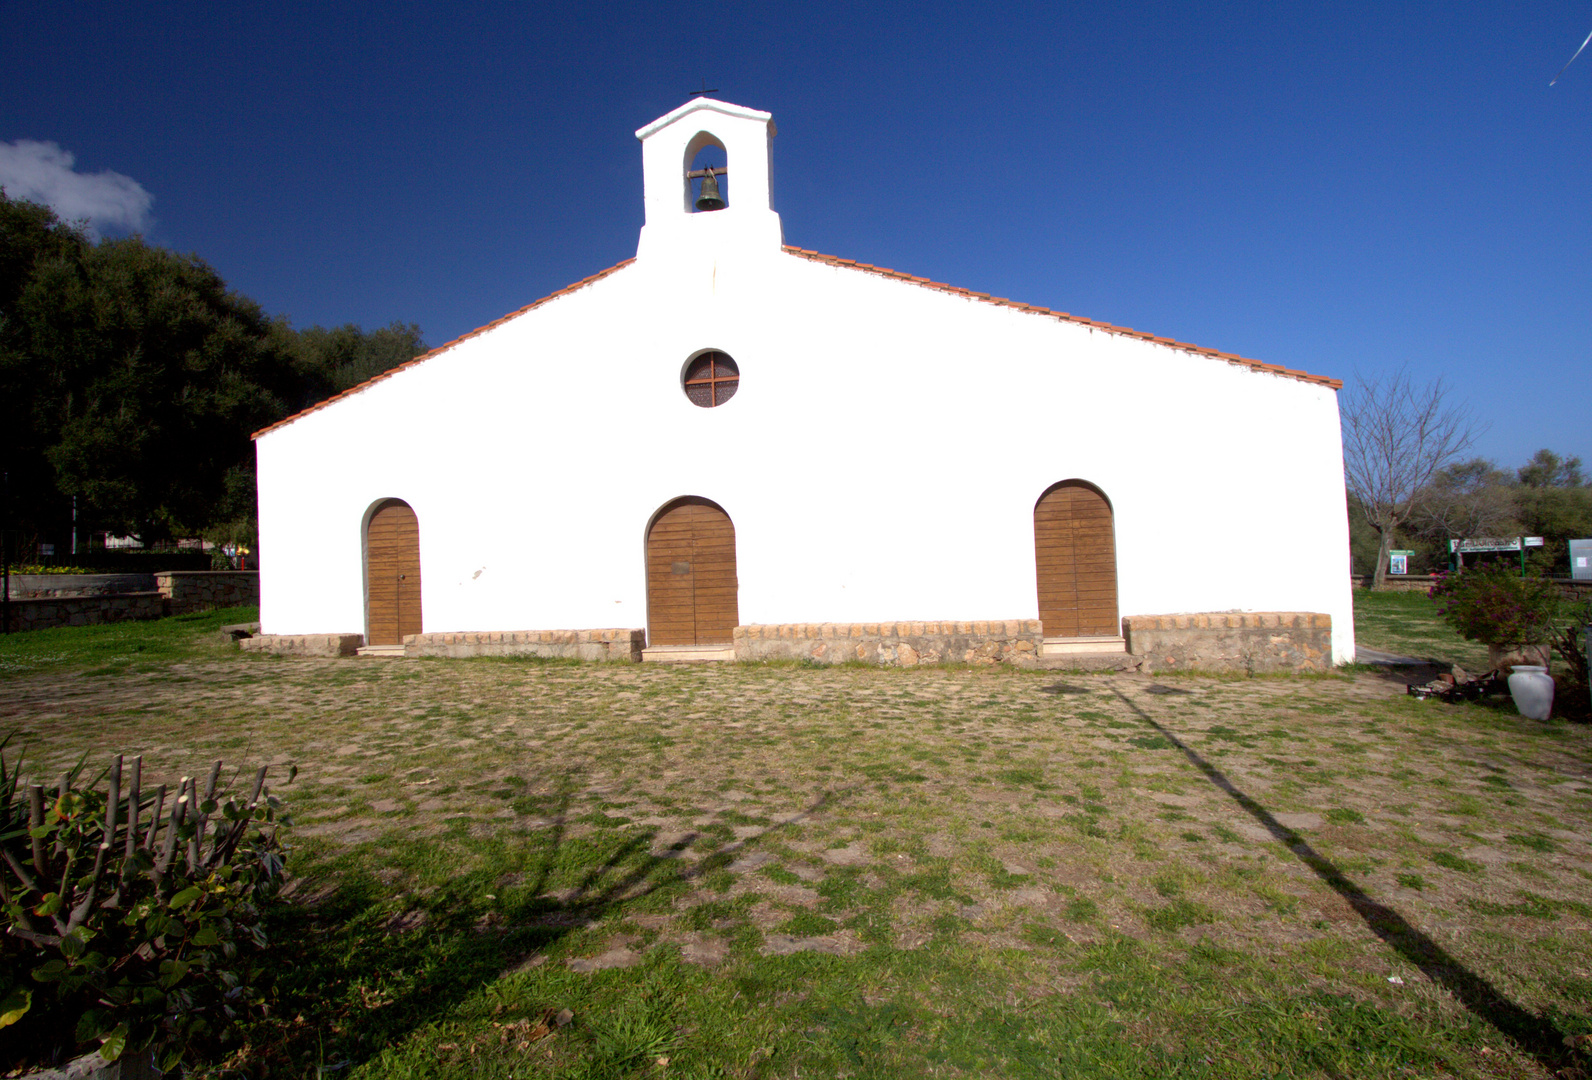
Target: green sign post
x,y
1457,549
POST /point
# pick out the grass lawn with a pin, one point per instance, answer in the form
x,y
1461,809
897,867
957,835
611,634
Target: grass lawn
x,y
782,871
1407,624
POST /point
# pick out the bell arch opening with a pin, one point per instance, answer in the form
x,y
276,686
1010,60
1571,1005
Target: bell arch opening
x,y
692,587
707,165
391,538
1075,561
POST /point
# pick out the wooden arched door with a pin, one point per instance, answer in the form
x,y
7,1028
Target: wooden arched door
x,y
1075,556
392,573
691,583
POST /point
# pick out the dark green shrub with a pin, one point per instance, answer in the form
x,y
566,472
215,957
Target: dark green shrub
x,y
131,922
1495,605
1571,699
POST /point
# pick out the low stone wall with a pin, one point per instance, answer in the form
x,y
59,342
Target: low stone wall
x,y
32,586
1397,582
205,590
43,612
39,601
303,644
1251,642
617,644
894,644
1570,588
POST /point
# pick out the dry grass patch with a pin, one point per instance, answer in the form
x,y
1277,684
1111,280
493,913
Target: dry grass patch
x,y
760,870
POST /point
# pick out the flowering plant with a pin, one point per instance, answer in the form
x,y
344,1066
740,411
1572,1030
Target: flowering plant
x,y
1496,605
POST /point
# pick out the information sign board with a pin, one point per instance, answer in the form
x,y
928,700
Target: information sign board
x,y
1581,560
1493,543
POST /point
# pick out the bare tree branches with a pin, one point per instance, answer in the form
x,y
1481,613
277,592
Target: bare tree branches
x,y
1468,498
1396,437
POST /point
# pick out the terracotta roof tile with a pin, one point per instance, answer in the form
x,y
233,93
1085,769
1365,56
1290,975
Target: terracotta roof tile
x,y
834,260
565,291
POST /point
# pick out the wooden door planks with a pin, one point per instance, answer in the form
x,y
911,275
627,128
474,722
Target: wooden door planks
x,y
691,582
1075,562
392,574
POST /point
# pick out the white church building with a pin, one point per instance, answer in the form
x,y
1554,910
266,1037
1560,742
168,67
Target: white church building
x,y
730,448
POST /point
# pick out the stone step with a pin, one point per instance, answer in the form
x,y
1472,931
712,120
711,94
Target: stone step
x,y
381,652
233,633
687,654
1083,646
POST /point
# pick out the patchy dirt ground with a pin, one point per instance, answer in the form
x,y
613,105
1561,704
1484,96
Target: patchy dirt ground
x,y
1319,833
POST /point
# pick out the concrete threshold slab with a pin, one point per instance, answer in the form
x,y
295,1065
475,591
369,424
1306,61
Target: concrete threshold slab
x,y
381,652
687,654
1083,646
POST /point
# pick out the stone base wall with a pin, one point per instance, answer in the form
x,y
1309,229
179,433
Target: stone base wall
x,y
1569,588
614,644
303,644
1249,642
33,586
39,601
894,644
1397,582
205,590
43,612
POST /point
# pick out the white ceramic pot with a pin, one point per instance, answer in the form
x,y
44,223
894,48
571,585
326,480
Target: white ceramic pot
x,y
1532,689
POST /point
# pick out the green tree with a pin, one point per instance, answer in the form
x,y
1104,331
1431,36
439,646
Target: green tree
x,y
32,240
333,360
1466,499
1548,470
1548,496
131,377
1554,501
147,375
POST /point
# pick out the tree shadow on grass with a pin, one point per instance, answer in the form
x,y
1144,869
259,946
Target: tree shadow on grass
x,y
354,976
1534,1034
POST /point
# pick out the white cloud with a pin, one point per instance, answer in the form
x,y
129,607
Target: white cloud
x,y
42,172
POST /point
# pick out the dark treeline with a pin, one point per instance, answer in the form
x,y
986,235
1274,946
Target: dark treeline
x,y
1549,496
131,378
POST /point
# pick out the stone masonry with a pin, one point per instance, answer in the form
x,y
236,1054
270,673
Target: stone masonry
x,y
47,611
1250,642
613,644
204,590
895,644
87,599
35,586
1253,642
303,644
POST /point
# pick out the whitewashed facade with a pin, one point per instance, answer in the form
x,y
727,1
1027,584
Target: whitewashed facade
x,y
881,459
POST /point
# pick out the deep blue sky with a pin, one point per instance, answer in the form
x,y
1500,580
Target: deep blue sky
x,y
1341,188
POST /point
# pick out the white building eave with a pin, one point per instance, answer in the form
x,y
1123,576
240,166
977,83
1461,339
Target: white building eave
x,y
699,104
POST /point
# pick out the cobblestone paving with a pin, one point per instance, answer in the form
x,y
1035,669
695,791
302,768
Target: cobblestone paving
x,y
820,809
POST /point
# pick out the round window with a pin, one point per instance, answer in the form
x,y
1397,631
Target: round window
x,y
711,379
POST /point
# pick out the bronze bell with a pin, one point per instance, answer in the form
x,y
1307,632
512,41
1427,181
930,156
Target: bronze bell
x,y
710,198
